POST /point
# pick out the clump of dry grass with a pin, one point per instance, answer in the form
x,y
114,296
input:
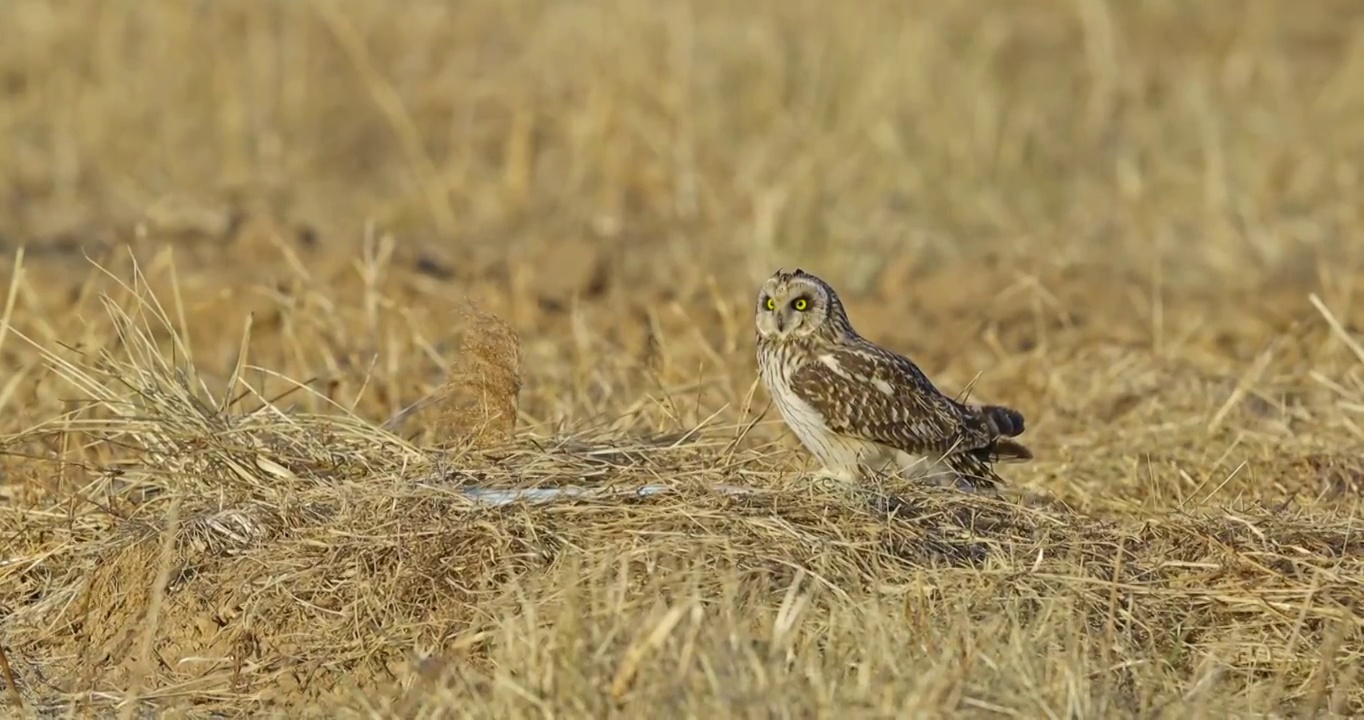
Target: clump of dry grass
x,y
477,404
489,381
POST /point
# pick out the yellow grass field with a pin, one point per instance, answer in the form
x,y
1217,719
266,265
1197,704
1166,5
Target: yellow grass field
x,y
238,237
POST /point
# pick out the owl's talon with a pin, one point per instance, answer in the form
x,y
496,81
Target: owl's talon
x,y
825,474
835,484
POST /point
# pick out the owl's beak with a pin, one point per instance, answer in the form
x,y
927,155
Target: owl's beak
x,y
780,320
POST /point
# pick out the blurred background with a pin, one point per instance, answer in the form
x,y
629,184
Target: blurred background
x,y
692,134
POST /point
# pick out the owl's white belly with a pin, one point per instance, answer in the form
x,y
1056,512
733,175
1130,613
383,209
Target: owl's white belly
x,y
840,455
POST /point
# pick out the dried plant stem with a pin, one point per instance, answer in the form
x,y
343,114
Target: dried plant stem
x,y
11,686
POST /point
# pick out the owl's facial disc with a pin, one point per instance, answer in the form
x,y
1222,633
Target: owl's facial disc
x,y
788,309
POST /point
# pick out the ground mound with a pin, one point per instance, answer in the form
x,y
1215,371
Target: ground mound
x,y
246,555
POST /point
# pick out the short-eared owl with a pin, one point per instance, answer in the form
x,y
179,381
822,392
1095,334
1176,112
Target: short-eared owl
x,y
858,406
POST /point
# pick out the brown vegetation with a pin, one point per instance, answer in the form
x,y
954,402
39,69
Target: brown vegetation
x,y
238,239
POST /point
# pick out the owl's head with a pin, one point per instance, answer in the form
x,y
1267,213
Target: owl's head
x,y
794,305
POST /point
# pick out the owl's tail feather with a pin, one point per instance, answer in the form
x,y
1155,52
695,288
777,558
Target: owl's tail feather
x,y
1004,449
1002,421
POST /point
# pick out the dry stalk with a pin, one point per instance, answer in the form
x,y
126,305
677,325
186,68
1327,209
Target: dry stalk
x,y
10,685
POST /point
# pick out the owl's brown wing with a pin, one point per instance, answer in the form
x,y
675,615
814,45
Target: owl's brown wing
x,y
872,394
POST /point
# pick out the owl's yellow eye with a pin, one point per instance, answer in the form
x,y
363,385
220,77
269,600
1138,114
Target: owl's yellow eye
x,y
801,304
770,304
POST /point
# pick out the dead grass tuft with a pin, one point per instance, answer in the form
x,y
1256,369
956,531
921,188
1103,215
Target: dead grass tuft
x,y
480,399
476,406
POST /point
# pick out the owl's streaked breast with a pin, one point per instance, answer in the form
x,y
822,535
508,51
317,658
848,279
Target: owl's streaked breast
x,y
776,364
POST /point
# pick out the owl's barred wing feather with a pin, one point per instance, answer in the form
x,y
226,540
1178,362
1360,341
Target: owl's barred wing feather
x,y
875,395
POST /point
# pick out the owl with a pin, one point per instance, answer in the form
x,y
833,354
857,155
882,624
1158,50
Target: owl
x,y
857,406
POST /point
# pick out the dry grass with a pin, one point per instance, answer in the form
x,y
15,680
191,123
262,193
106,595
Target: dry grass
x,y
238,239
